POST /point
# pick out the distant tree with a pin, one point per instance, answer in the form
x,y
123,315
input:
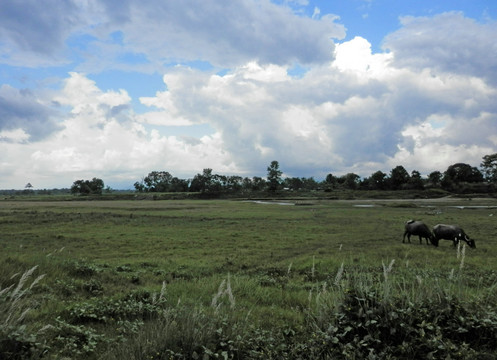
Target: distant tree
x,y
435,178
377,180
399,177
309,183
415,181
234,183
158,181
293,183
179,185
330,182
217,184
28,189
461,177
350,180
274,176
247,184
461,172
202,182
87,187
139,186
161,181
253,184
489,167
258,183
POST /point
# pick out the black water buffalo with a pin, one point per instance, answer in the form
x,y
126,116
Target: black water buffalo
x,y
418,228
452,232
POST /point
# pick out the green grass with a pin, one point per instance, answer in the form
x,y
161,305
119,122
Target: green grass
x,y
294,271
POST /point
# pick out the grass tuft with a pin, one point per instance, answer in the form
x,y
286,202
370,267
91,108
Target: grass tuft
x,y
224,290
15,339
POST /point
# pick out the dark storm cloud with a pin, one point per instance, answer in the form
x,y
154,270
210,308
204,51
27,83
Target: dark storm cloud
x,y
19,109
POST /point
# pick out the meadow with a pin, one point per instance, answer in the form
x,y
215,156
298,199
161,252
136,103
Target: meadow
x,y
233,279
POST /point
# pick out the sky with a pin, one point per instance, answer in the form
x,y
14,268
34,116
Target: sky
x,y
116,89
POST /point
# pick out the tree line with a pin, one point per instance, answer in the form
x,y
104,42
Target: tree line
x,y
459,178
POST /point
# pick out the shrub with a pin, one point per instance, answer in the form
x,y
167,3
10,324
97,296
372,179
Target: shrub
x,y
365,326
71,340
141,305
124,268
82,269
93,287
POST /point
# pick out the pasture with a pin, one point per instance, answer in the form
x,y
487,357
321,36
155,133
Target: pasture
x,y
306,278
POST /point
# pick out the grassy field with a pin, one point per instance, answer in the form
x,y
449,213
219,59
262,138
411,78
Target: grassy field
x,y
307,278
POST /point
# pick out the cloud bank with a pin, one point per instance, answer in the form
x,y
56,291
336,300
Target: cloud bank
x,y
224,33
277,88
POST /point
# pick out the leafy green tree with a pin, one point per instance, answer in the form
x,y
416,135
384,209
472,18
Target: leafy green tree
x,y
309,183
296,183
330,180
96,186
349,181
415,181
178,185
435,178
489,167
377,180
202,182
233,183
293,183
461,177
461,172
253,184
258,183
274,176
28,189
399,177
87,187
247,183
157,181
215,184
161,181
139,186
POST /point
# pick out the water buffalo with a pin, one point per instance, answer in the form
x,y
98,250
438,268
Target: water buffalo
x,y
452,232
418,228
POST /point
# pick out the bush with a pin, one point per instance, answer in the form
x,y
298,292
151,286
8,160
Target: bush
x,y
82,269
367,327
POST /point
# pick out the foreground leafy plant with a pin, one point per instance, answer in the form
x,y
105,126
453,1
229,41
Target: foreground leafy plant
x,y
365,326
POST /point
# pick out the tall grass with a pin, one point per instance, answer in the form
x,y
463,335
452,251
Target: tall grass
x,y
16,340
223,291
352,315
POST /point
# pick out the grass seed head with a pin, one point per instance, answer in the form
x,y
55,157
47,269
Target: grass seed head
x,y
339,275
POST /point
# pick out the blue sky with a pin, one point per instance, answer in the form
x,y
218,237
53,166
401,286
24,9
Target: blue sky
x,y
116,89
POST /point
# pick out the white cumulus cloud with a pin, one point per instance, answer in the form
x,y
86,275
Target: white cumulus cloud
x,y
425,103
